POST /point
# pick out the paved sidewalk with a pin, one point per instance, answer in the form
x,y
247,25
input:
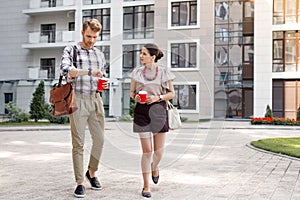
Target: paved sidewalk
x,y
208,160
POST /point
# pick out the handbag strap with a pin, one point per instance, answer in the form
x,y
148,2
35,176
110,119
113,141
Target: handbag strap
x,y
74,63
169,105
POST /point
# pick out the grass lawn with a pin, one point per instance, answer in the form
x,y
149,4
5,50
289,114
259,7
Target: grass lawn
x,y
29,123
287,146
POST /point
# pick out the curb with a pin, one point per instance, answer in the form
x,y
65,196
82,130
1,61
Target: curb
x,y
199,125
272,153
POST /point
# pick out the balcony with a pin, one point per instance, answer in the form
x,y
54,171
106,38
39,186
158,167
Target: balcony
x,y
35,73
95,2
44,73
49,40
46,7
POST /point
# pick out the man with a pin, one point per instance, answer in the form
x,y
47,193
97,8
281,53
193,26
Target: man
x,y
89,67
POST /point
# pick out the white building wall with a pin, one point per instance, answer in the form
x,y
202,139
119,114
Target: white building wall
x,y
206,59
116,41
15,60
203,75
263,57
13,33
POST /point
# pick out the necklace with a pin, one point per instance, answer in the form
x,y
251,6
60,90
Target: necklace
x,y
150,79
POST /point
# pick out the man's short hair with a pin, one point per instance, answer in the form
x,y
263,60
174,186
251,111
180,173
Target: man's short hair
x,y
94,25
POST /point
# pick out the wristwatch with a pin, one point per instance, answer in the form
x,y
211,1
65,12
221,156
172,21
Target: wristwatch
x,y
90,72
161,97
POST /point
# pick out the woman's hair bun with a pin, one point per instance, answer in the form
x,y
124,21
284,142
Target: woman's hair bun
x,y
154,50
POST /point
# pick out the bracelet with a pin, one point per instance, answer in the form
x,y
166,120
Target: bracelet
x,y
90,72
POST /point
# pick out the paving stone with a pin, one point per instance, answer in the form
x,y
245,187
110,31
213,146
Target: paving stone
x,y
209,160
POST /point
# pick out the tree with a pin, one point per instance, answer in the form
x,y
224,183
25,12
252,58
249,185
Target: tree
x,y
269,112
37,106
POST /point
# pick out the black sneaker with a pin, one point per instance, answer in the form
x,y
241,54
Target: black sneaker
x,y
80,191
94,181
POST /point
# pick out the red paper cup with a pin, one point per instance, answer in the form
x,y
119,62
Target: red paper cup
x,y
143,96
100,83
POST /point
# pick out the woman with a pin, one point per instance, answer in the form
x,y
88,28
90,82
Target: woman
x,y
150,118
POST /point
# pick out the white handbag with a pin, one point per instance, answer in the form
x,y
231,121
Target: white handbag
x,y
173,116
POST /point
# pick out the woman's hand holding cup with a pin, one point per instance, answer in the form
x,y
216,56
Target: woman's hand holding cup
x,y
142,96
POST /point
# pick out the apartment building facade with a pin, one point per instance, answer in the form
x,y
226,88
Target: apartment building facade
x,y
222,52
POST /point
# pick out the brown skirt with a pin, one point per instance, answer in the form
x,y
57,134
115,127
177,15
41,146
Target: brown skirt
x,y
151,118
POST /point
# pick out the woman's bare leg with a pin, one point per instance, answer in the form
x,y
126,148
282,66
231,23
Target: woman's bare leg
x,y
159,145
146,143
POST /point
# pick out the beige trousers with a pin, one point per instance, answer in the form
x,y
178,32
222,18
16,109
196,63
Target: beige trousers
x,y
90,112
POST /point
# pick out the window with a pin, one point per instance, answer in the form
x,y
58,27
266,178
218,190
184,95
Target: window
x,y
222,34
286,98
185,96
224,78
131,58
91,2
184,55
183,13
248,10
8,97
127,101
71,26
138,22
286,11
103,15
48,33
286,54
48,67
48,3
106,52
222,11
221,56
248,53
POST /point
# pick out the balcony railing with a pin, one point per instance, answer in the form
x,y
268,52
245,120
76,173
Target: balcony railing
x,y
51,37
34,4
35,73
94,2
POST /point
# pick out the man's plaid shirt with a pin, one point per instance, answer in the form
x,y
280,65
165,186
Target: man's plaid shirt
x,y
85,59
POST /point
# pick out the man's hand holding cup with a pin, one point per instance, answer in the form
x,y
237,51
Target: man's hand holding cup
x,y
102,83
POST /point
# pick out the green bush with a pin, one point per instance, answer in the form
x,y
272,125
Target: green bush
x,y
131,107
183,119
16,114
125,118
54,119
269,112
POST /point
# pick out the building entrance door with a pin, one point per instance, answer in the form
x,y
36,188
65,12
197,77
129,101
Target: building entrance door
x,y
247,103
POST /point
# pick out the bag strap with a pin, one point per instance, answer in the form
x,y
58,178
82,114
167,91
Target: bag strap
x,y
74,56
74,63
169,105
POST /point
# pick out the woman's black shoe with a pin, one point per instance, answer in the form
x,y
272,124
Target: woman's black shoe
x,y
155,178
146,194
